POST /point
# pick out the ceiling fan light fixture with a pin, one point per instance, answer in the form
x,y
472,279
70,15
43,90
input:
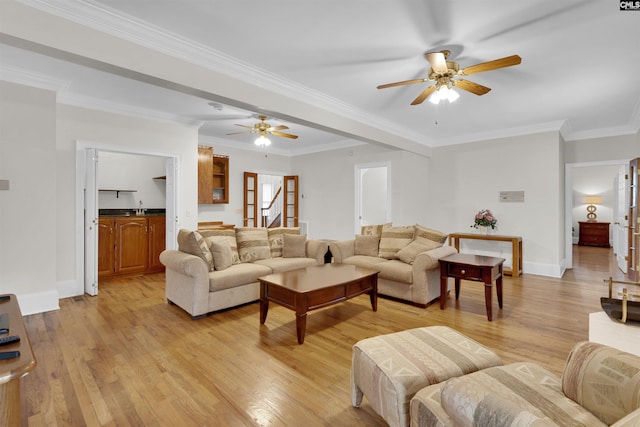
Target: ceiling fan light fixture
x,y
262,141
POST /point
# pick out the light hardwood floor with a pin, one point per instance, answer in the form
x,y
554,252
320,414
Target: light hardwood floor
x,y
126,357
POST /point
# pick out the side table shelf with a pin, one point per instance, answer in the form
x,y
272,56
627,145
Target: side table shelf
x,y
516,248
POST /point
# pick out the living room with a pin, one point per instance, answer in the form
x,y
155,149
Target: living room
x,y
441,187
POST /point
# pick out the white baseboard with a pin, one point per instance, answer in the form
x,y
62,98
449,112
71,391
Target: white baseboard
x,y
38,302
549,270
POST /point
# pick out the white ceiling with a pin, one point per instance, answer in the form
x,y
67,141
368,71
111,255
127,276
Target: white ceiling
x,y
580,68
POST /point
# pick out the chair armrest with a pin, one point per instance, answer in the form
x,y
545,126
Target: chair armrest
x,y
342,249
186,281
428,260
184,263
591,368
316,249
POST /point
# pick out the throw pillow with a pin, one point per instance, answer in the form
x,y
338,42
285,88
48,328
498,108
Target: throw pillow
x,y
276,238
367,245
253,244
227,236
294,246
393,239
373,230
221,252
193,243
409,253
427,235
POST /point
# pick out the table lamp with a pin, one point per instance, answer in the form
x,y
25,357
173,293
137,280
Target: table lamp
x,y
591,209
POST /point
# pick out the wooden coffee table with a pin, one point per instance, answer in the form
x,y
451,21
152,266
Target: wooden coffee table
x,y
478,268
315,287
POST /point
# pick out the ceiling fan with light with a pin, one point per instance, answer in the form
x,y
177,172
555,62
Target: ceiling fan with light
x,y
446,75
263,128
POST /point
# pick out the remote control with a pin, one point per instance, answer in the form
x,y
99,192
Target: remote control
x,y
9,339
5,298
9,354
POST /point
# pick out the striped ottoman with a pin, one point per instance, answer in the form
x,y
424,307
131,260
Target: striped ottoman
x,y
390,369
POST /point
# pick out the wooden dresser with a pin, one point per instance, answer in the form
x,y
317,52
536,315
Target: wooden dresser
x,y
594,234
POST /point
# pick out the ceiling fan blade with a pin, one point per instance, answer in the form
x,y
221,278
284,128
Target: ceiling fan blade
x,y
244,126
405,82
437,61
425,93
286,135
491,65
280,127
472,87
237,133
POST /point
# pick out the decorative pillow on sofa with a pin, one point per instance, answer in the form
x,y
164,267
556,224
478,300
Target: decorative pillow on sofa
x,y
294,246
393,239
193,243
221,252
407,254
427,236
276,238
253,244
367,245
373,230
226,236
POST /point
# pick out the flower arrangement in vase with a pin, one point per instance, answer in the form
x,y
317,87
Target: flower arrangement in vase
x,y
484,220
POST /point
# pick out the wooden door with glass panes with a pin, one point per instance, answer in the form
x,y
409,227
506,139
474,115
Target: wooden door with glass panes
x,y
634,229
251,199
290,208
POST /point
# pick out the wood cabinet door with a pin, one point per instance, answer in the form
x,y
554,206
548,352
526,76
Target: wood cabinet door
x,y
205,175
106,247
157,236
132,247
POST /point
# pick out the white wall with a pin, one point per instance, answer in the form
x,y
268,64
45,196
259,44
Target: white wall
x,y
27,209
131,172
601,149
469,177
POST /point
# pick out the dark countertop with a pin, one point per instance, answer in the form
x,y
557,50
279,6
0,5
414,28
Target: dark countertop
x,y
130,212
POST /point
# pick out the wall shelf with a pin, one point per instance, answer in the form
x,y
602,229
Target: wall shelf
x,y
118,191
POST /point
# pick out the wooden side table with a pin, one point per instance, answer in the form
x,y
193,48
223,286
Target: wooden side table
x,y
477,268
516,248
11,370
594,234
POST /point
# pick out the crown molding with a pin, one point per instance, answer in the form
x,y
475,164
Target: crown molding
x,y
29,78
504,133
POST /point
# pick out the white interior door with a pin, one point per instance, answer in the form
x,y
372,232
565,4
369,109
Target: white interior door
x,y
171,203
621,222
374,195
91,222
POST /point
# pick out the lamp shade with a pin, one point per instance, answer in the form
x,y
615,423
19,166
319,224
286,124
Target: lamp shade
x,y
592,200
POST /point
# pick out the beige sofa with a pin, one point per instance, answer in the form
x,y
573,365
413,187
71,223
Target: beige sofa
x,y
600,386
406,257
217,269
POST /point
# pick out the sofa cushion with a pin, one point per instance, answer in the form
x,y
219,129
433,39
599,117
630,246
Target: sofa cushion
x,y
236,275
603,379
409,253
228,236
193,243
428,236
294,246
276,239
393,239
371,262
520,394
221,252
253,244
396,270
280,264
372,230
367,244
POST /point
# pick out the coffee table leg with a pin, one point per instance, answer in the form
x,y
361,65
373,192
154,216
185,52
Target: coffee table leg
x,y
487,299
499,290
301,326
373,295
264,303
443,290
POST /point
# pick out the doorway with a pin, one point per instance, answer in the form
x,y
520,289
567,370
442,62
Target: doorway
x,y
373,190
87,165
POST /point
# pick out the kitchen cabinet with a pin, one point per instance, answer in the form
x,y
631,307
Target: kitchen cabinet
x,y
129,245
213,177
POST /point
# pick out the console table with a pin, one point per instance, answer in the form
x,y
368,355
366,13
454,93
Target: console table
x,y
516,248
12,370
